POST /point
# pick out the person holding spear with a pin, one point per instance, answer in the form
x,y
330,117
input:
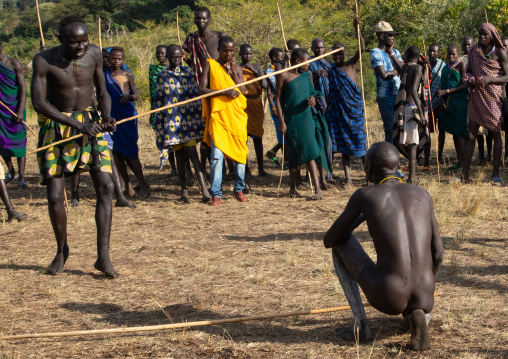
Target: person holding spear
x,y
12,116
62,90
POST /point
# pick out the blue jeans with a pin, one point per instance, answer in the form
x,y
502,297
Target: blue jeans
x,y
216,163
387,108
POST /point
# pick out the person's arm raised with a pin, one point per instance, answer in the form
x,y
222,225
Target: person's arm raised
x,y
351,218
20,79
38,90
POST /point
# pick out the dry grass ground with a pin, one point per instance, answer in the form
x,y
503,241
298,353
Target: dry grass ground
x,y
193,262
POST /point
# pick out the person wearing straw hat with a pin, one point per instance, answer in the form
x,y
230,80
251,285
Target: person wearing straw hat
x,y
12,116
487,72
387,64
62,93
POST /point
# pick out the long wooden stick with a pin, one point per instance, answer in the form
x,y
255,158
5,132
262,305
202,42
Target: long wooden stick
x,y
282,28
39,19
66,202
486,17
361,75
178,31
198,97
100,34
151,328
26,124
178,325
433,119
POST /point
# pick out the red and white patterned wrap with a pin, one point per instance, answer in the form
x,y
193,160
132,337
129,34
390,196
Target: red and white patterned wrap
x,y
485,103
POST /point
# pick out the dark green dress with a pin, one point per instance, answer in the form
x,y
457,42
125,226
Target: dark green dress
x,y
455,120
307,136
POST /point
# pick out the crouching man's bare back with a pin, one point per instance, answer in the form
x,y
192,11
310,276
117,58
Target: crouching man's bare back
x,y
401,221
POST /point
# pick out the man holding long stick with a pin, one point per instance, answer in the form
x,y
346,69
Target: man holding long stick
x,y
12,116
62,89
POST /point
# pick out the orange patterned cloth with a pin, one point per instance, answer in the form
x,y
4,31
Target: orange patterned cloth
x,y
485,103
254,110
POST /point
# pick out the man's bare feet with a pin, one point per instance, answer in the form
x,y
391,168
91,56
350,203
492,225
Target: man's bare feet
x,y
263,174
129,191
318,196
123,202
420,338
13,214
58,263
144,192
74,201
294,194
184,198
302,187
106,267
348,185
331,180
325,186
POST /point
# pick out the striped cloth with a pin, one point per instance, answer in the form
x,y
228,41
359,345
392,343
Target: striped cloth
x,y
12,132
485,103
198,53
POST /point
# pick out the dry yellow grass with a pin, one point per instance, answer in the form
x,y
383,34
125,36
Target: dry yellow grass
x,y
192,262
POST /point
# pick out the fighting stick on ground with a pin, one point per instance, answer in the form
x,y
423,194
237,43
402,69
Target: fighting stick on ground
x,y
8,109
429,71
151,328
198,97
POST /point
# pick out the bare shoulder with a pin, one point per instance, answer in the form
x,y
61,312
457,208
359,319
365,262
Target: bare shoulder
x,y
94,52
220,34
16,65
501,53
257,66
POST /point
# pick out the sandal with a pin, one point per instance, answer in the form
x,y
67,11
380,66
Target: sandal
x,y
22,184
271,156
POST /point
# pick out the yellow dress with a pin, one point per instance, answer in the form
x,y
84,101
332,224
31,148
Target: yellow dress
x,y
225,117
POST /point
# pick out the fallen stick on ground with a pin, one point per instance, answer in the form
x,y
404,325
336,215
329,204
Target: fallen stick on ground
x,y
152,328
198,97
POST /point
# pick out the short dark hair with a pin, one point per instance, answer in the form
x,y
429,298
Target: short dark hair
x,y
298,53
467,37
118,49
456,47
171,48
274,51
503,38
203,9
244,46
291,43
435,44
224,39
70,20
159,46
338,45
413,51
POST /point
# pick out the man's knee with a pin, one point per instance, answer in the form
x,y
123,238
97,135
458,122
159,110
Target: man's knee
x,y
105,187
470,137
55,197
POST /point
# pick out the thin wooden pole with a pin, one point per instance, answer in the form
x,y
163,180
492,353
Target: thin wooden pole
x,y
486,17
39,19
361,75
26,124
198,97
178,325
66,203
432,115
152,328
282,27
178,31
100,34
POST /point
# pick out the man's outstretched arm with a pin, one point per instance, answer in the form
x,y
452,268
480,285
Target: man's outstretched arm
x,y
351,218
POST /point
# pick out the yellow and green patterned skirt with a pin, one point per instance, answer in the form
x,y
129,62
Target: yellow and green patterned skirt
x,y
78,155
